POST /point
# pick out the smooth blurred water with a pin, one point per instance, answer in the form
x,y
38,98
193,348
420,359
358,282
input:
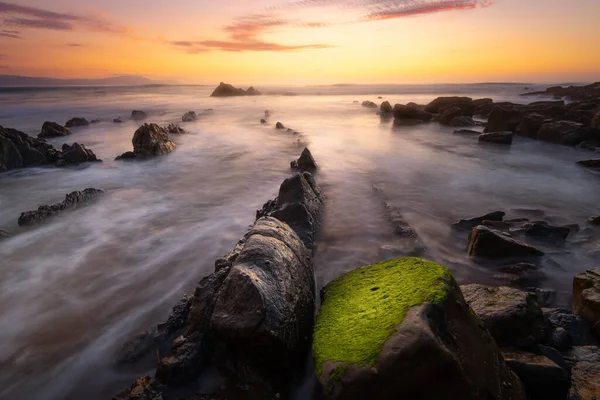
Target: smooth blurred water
x,y
74,289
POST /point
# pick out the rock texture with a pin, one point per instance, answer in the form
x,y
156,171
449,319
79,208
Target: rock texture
x,y
306,162
586,297
513,317
497,137
489,243
77,153
77,122
585,381
503,119
402,330
189,116
557,131
72,200
543,379
149,140
52,129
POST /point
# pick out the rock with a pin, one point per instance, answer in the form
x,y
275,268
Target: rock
x,y
595,220
279,125
144,388
95,121
263,121
52,129
482,102
76,122
542,378
389,330
580,93
577,354
189,116
530,125
252,92
407,122
585,381
498,225
4,234
513,317
149,140
522,275
402,112
595,164
19,150
227,90
468,224
545,297
386,108
466,132
449,114
128,155
596,121
578,330
488,243
497,137
173,129
557,131
464,103
503,119
118,121
138,115
543,230
462,121
184,364
306,162
586,297
72,200
77,153
369,104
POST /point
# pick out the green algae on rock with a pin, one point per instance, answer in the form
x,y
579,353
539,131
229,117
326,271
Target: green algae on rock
x,y
362,308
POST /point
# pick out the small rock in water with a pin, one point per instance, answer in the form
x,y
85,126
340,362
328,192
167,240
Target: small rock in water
x,y
4,234
468,224
386,108
118,121
189,116
138,115
174,129
279,125
369,104
263,121
488,243
76,122
77,153
595,220
52,129
543,230
72,200
467,132
306,162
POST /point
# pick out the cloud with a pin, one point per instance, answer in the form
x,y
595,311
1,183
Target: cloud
x,y
243,35
74,45
10,34
36,18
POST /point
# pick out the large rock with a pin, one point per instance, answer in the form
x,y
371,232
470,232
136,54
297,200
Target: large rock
x,y
543,379
306,162
463,121
52,129
77,153
468,224
72,200
497,137
77,122
530,125
585,381
189,116
489,243
252,92
150,140
464,103
503,119
514,318
227,90
557,131
19,150
449,114
578,331
386,108
138,115
401,330
402,112
586,297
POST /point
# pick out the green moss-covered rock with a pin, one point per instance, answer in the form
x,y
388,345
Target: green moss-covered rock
x,y
401,329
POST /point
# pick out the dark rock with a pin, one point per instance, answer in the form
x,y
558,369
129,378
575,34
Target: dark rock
x,y
579,93
498,225
279,125
488,243
464,103
559,339
76,122
184,364
128,155
144,388
369,104
227,90
263,121
557,131
596,121
468,224
513,317
306,162
173,129
497,137
543,230
150,140
522,275
463,121
578,330
189,116
543,379
252,92
530,125
138,115
545,297
595,164
595,220
407,122
19,150
77,153
4,234
503,119
52,129
118,121
386,108
449,114
402,112
577,354
95,121
586,297
585,381
482,102
467,132
72,200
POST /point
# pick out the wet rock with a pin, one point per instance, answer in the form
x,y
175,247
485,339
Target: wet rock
x,y
522,275
595,164
468,224
77,153
498,225
462,121
189,116
449,114
138,115
466,132
488,243
464,103
545,297
19,150
578,330
577,354
513,317
503,119
556,131
306,162
531,124
586,297
118,121
543,230
585,381
482,102
388,330
52,129
72,200
77,122
252,92
173,129
402,112
369,104
279,125
144,388
263,121
386,108
128,155
227,90
497,137
595,220
149,140
542,378
184,364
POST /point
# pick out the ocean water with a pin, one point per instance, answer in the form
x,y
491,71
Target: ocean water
x,y
74,289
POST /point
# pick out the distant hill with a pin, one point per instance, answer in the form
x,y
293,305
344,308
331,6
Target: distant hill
x,y
125,80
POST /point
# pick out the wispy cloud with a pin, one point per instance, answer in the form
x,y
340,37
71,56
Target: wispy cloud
x,y
244,35
26,17
11,34
74,45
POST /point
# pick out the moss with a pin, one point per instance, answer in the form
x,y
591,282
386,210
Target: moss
x,y
362,308
338,373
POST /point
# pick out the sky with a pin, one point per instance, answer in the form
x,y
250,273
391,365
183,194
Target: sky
x,y
304,41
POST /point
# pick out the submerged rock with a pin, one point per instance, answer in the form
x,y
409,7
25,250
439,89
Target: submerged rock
x,y
463,121
468,224
467,132
52,129
497,137
189,116
138,115
118,121
149,140
586,297
503,119
543,230
389,330
72,200
514,318
263,121
488,243
77,122
4,234
542,378
306,162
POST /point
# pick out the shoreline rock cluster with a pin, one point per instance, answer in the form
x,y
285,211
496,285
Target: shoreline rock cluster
x,y
227,90
72,200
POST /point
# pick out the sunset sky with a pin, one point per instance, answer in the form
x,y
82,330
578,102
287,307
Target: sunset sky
x,y
304,41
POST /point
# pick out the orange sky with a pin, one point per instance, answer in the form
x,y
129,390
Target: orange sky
x,y
304,41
